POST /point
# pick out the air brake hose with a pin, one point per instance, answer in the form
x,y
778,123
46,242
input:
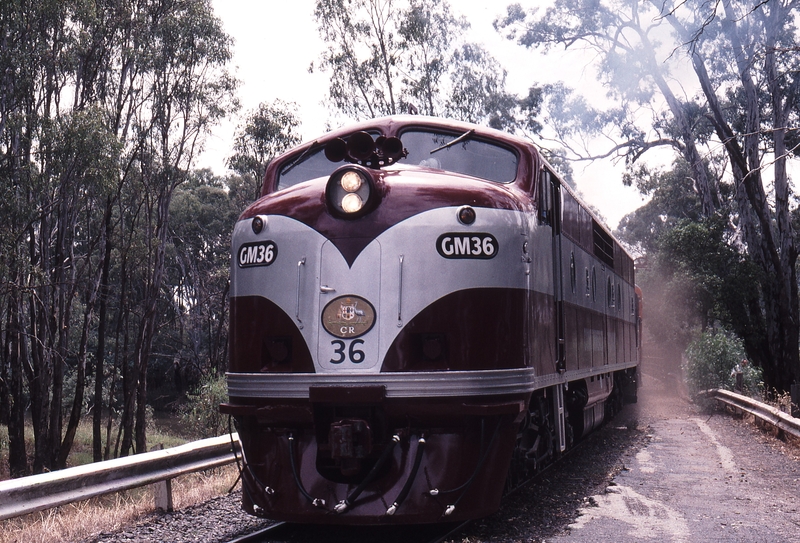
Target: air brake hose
x,y
413,475
450,508
268,490
345,504
316,502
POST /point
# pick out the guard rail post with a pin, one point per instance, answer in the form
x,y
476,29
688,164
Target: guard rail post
x,y
162,495
162,490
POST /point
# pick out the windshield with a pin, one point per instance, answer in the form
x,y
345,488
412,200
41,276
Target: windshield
x,y
460,153
309,165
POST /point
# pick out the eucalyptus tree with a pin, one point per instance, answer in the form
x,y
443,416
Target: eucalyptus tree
x,y
409,56
624,37
267,131
744,115
187,90
103,106
58,163
671,198
203,212
745,59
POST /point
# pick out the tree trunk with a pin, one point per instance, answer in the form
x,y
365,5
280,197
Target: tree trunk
x,y
41,375
129,404
17,455
97,415
80,378
148,325
778,244
5,377
705,188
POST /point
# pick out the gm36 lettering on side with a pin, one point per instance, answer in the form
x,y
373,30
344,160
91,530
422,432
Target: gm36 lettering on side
x,y
257,253
454,245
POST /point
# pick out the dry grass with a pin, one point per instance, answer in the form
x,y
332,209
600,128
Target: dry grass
x,y
82,520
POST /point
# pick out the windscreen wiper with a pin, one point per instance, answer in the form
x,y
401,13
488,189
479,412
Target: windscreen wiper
x,y
459,139
299,159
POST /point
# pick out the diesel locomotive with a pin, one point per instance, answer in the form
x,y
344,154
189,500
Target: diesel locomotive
x,y
422,315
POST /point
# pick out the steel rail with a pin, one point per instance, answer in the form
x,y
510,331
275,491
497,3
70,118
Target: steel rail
x,y
259,535
48,490
767,413
283,531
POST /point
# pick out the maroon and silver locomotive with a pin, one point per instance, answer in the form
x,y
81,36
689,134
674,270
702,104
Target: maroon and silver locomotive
x,y
422,316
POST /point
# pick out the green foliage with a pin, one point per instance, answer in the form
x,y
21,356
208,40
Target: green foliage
x,y
387,57
268,131
203,215
80,142
103,109
712,360
478,90
672,199
200,414
694,279
721,284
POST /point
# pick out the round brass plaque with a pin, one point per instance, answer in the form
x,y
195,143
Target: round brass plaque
x,y
348,317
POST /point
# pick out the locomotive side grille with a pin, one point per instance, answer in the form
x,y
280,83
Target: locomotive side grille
x,y
603,244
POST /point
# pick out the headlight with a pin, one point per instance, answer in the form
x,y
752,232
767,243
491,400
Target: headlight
x,y
350,192
352,203
351,181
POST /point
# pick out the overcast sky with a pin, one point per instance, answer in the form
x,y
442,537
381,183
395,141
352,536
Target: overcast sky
x,y
276,41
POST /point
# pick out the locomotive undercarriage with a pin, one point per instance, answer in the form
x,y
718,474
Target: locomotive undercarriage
x,y
336,463
537,439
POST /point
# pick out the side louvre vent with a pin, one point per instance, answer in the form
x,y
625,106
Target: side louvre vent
x,y
603,244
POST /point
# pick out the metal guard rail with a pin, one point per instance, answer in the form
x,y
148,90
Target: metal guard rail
x,y
48,490
767,413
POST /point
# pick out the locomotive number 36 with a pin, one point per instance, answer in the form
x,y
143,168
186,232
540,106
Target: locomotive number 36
x,y
344,353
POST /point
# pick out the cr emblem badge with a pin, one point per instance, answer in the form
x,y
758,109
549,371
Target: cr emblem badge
x,y
348,317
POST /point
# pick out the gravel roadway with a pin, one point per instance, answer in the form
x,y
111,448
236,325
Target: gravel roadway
x,y
215,521
701,477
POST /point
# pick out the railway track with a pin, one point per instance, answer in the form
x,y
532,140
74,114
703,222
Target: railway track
x,y
296,533
282,532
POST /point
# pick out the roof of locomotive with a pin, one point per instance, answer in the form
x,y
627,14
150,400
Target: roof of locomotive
x,y
394,125
529,156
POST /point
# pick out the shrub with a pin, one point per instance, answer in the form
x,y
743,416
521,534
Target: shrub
x,y
201,413
712,359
